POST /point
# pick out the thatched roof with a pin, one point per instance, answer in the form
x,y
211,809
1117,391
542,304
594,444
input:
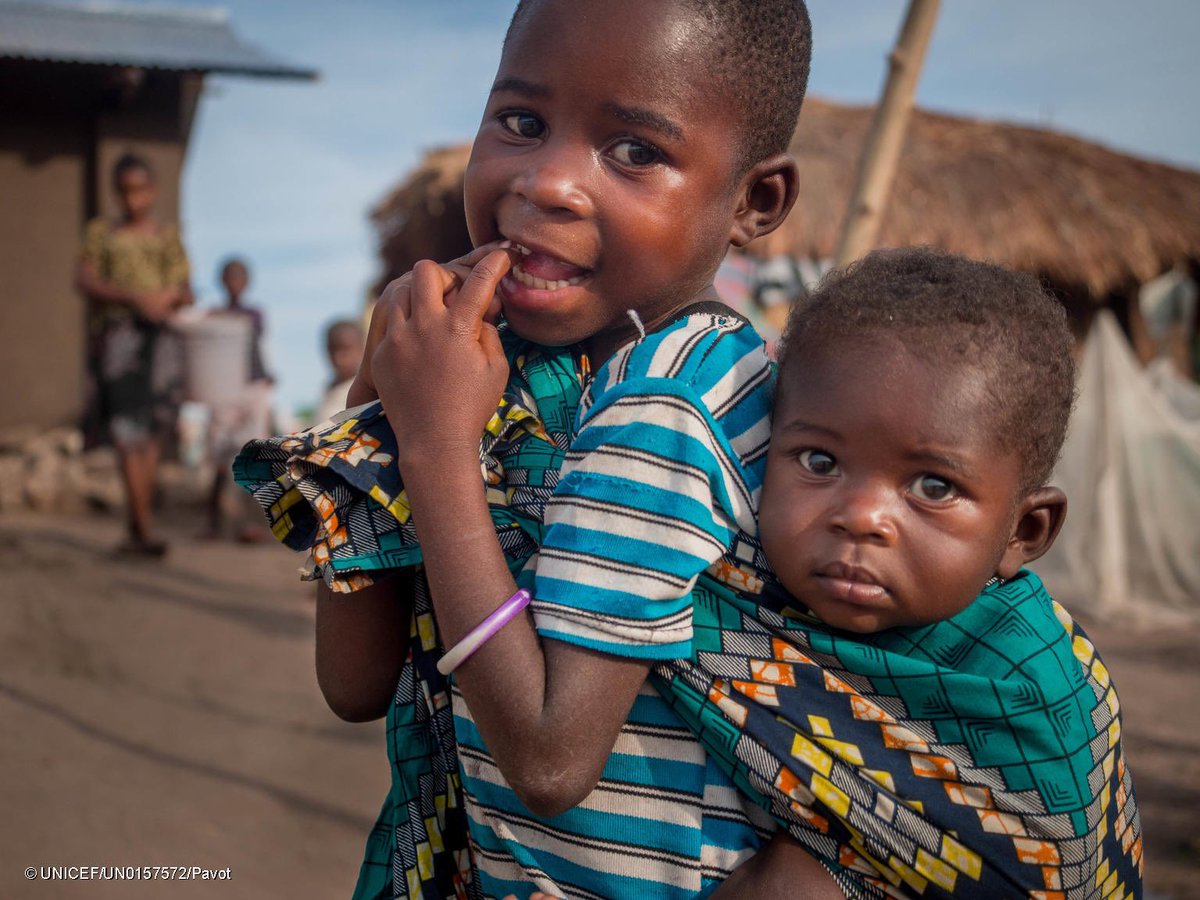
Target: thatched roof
x,y
1032,199
1087,219
423,217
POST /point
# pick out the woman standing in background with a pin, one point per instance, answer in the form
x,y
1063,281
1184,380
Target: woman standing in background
x,y
135,272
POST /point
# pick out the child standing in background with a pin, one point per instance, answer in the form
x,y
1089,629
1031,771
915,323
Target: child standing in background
x,y
134,272
245,417
344,345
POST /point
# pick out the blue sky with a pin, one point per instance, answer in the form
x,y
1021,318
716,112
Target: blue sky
x,y
284,173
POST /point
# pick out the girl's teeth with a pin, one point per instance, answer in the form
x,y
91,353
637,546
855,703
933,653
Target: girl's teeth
x,y
541,284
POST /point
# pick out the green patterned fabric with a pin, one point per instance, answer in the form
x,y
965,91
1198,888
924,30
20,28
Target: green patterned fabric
x,y
979,756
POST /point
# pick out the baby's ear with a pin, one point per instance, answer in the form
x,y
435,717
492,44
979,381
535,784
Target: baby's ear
x,y
1040,516
766,195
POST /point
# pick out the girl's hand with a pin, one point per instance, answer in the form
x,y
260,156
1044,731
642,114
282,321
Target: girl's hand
x,y
439,368
363,389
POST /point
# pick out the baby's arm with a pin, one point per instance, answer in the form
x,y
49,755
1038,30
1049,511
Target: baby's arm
x,y
781,869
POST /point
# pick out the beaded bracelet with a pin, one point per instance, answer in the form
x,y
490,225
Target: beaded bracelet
x,y
483,632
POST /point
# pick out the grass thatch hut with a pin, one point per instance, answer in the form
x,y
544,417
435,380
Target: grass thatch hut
x,y
423,217
1092,223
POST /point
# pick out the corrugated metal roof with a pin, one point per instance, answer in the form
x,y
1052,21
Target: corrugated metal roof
x,y
158,37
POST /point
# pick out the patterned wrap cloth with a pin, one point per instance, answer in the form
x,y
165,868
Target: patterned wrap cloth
x,y
135,367
978,756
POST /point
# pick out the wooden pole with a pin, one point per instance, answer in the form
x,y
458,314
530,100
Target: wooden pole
x,y
886,137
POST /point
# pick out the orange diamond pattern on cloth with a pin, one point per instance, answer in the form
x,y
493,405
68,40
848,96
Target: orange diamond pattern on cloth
x,y
976,757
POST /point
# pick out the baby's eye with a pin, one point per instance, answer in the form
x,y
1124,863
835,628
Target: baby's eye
x,y
933,488
818,462
635,153
526,125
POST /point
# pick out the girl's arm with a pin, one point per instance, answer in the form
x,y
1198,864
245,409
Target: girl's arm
x,y
152,305
549,711
362,641
94,287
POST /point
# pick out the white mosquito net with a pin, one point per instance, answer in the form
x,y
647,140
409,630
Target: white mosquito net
x,y
1130,549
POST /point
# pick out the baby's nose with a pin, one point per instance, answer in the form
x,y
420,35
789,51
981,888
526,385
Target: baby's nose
x,y
864,512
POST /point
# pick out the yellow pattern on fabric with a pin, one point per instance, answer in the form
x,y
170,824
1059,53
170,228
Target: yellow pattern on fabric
x,y
935,870
966,861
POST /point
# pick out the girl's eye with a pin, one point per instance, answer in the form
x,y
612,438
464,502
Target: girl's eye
x,y
635,153
818,462
523,124
933,488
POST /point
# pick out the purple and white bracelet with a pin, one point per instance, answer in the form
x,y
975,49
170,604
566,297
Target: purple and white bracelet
x,y
484,632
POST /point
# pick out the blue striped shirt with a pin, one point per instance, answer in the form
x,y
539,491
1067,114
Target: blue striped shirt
x,y
664,473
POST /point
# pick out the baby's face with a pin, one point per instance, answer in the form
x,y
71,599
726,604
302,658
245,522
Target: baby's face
x,y
887,499
602,154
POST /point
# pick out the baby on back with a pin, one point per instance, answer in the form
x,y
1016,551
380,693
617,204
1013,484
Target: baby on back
x,y
900,690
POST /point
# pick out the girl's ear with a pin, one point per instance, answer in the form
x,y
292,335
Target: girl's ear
x,y
766,195
1039,519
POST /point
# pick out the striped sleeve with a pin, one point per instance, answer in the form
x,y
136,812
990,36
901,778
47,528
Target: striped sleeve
x,y
664,471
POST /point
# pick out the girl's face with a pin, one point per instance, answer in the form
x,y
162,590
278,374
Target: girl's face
x,y
136,192
887,500
602,155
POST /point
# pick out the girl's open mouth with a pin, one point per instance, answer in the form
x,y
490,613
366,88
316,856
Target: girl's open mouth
x,y
544,272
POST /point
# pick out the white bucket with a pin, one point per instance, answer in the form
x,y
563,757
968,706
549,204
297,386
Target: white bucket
x,y
217,357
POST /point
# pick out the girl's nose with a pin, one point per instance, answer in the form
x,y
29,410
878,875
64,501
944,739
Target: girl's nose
x,y
864,513
553,181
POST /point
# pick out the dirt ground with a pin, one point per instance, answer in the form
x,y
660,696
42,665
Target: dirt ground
x,y
166,714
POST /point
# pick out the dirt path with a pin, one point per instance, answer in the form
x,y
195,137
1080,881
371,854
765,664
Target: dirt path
x,y
1157,673
166,714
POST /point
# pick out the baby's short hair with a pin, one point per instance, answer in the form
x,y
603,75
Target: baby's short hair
x,y
760,56
956,312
